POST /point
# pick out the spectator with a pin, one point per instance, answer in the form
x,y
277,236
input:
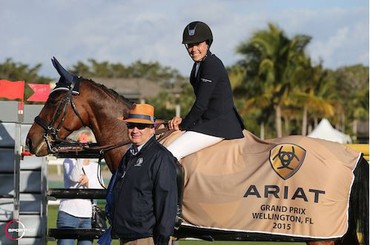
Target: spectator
x,y
144,189
78,173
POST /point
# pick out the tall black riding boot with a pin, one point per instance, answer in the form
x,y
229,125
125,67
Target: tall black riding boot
x,y
180,190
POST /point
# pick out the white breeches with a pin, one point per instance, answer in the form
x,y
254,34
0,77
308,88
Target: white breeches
x,y
190,142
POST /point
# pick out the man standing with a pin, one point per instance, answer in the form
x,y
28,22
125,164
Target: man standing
x,y
144,189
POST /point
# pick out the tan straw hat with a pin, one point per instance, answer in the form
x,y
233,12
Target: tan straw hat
x,y
141,113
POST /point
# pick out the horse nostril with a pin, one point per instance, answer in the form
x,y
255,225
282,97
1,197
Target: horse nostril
x,y
29,143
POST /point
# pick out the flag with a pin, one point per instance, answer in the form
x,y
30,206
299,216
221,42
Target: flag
x,y
11,90
41,94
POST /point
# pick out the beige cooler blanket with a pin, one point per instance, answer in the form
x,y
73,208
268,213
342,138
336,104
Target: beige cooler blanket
x,y
295,185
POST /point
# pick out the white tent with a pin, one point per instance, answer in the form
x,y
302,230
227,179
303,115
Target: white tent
x,y
325,131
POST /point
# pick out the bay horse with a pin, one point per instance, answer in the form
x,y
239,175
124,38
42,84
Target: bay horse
x,y
78,102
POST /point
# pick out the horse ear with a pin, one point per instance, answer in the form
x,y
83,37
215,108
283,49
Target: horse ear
x,y
67,77
67,80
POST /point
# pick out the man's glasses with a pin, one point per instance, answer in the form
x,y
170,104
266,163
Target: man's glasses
x,y
139,126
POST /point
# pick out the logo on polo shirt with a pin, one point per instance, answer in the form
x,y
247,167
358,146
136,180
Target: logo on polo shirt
x,y
139,161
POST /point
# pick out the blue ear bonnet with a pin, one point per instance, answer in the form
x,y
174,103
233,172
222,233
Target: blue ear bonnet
x,y
67,81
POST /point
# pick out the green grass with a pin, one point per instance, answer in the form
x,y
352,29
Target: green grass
x,y
52,217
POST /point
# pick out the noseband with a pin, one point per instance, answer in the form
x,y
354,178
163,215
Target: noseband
x,y
51,132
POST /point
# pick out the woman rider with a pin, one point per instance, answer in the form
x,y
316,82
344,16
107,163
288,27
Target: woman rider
x,y
213,116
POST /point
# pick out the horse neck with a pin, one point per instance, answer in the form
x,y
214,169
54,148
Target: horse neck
x,y
103,110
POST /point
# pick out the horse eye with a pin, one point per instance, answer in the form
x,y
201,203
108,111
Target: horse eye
x,y
51,100
54,97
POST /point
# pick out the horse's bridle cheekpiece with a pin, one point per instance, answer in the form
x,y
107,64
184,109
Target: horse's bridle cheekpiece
x,y
71,84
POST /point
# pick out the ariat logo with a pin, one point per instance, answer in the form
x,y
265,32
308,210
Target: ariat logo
x,y
191,32
286,159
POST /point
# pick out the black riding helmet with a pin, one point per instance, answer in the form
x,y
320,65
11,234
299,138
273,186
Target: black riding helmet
x,y
197,32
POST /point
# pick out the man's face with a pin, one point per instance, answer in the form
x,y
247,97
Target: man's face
x,y
197,51
140,133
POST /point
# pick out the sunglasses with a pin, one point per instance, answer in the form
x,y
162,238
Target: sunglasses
x,y
139,126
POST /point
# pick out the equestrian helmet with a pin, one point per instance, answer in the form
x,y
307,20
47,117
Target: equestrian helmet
x,y
197,32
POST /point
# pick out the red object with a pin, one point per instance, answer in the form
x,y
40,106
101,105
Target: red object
x,y
41,94
26,153
11,90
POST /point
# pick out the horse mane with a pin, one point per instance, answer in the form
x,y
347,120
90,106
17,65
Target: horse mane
x,y
110,92
71,81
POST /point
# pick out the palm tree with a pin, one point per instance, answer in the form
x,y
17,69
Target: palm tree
x,y
252,97
313,94
270,57
352,87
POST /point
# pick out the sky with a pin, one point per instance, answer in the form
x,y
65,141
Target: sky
x,y
125,31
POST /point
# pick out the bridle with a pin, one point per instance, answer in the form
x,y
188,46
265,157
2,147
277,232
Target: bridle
x,y
55,144
51,132
71,84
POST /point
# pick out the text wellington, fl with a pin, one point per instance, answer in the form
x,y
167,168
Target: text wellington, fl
x,y
283,215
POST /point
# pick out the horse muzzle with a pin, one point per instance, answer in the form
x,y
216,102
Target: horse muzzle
x,y
38,149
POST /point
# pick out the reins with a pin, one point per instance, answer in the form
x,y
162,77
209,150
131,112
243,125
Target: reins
x,y
75,146
81,148
91,150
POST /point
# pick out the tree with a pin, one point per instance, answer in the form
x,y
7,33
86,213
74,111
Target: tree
x,y
352,88
272,56
312,94
151,71
14,71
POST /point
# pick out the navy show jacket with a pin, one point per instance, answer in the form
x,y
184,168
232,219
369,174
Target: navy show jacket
x,y
213,112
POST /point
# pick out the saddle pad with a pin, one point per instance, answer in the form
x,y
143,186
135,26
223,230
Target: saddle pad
x,y
294,185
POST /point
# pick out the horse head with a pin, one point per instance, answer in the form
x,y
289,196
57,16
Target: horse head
x,y
76,102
